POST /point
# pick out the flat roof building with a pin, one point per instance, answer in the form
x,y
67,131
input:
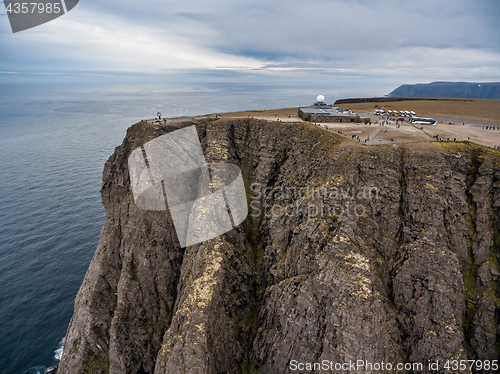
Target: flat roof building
x,y
321,112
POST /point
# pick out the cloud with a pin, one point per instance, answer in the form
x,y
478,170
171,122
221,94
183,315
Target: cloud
x,y
388,39
107,42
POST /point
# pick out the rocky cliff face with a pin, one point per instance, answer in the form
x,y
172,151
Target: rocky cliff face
x,y
383,254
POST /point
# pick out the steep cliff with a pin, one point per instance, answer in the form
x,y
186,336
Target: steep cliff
x,y
384,254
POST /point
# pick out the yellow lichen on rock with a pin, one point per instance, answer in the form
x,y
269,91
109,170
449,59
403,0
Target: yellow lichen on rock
x,y
215,145
199,295
364,284
341,239
202,288
431,187
360,262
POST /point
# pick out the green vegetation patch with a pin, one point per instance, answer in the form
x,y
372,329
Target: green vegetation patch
x,y
97,363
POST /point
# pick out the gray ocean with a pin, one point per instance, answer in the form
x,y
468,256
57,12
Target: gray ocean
x,y
54,141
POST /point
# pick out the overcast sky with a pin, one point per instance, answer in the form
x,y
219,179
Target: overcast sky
x,y
386,41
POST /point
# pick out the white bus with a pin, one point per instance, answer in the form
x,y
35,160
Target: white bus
x,y
423,121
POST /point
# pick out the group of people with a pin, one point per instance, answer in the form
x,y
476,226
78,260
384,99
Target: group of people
x,y
383,123
448,139
491,127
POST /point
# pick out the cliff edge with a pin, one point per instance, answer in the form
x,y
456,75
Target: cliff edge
x,y
383,254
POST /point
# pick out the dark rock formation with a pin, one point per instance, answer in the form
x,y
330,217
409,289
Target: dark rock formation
x,y
383,254
449,89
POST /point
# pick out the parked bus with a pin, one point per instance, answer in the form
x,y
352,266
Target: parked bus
x,y
423,121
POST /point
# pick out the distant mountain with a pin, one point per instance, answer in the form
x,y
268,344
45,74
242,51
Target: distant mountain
x,y
449,89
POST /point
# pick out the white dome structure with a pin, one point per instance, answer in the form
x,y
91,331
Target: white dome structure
x,y
320,99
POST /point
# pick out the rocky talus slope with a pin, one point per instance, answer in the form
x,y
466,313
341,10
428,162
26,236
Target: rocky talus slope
x,y
382,253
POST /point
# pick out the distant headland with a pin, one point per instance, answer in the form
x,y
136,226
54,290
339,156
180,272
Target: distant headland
x,y
449,89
